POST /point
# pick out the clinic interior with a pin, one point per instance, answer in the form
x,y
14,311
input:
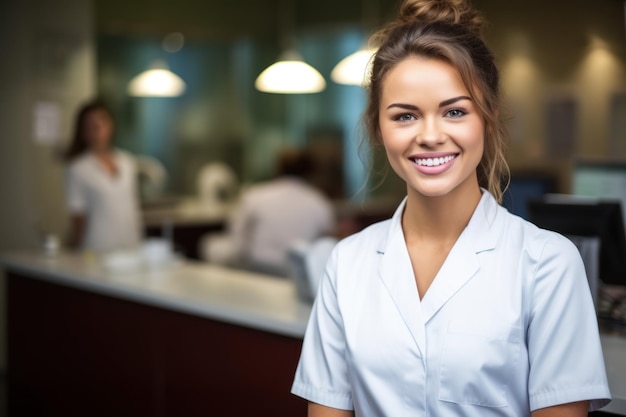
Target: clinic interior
x,y
563,67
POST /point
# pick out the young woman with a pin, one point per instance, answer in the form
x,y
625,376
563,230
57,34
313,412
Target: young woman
x,y
101,185
454,307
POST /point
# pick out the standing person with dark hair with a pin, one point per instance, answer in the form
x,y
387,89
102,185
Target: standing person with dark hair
x,y
101,185
454,306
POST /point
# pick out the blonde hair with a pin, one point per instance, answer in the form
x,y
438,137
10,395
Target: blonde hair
x,y
449,30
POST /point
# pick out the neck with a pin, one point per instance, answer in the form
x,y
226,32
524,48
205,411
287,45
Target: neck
x,y
439,218
101,152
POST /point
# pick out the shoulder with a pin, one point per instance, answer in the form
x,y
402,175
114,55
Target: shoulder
x,y
256,190
127,163
279,188
538,246
374,238
557,249
366,241
354,259
124,157
80,164
536,236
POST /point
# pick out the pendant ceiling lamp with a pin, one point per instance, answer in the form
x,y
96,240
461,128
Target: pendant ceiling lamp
x,y
157,81
355,69
290,74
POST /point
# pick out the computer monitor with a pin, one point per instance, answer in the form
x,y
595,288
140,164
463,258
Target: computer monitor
x,y
600,179
587,217
525,186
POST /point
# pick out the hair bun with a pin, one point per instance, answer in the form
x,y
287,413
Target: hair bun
x,y
452,12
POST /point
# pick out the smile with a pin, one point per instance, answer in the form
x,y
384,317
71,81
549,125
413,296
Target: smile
x,y
433,162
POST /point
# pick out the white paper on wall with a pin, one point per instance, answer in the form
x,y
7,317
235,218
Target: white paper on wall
x,y
46,123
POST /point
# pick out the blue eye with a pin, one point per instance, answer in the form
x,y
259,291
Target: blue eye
x,y
455,113
404,117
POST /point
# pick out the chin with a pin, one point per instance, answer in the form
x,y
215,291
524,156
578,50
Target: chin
x,y
441,187
432,192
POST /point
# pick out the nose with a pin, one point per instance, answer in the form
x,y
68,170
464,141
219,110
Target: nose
x,y
429,133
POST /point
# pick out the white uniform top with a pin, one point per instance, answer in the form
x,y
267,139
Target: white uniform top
x,y
109,202
273,215
507,326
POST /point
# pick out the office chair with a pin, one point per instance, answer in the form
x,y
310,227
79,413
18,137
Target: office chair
x,y
307,261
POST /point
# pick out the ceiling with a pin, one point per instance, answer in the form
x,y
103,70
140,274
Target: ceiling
x,y
227,19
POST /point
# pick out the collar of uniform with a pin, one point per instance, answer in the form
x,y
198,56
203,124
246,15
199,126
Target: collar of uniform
x,y
460,266
396,272
480,226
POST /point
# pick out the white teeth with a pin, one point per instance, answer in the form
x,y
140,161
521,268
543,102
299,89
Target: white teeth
x,y
431,162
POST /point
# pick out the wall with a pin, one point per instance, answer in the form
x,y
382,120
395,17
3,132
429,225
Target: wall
x,y
562,64
48,57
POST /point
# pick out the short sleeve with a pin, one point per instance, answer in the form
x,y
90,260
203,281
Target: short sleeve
x,y
565,353
322,374
75,191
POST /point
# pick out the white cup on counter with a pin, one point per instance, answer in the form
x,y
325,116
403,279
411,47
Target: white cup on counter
x,y
51,244
152,253
157,252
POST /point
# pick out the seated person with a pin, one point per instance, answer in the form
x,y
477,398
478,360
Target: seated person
x,y
271,217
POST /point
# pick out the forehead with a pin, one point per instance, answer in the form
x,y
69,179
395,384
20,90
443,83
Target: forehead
x,y
418,77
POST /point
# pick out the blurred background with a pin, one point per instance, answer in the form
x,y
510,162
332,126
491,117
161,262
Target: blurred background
x,y
563,69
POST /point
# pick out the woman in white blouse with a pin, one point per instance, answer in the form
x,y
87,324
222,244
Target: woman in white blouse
x,y
454,307
101,185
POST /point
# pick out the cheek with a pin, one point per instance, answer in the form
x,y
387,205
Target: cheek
x,y
477,143
394,151
479,151
475,138
395,162
395,140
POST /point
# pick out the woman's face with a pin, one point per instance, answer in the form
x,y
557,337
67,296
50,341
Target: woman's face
x,y
98,130
430,127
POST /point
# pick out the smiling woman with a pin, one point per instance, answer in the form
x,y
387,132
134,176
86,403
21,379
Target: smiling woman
x,y
453,306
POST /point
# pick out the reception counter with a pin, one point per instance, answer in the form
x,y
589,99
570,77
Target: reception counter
x,y
184,339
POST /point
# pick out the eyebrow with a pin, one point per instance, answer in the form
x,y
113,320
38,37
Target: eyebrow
x,y
442,104
453,100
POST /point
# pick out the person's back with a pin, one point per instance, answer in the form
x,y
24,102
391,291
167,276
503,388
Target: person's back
x,y
271,217
278,213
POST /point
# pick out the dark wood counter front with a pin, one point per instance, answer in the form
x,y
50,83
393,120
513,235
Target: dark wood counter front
x,y
74,352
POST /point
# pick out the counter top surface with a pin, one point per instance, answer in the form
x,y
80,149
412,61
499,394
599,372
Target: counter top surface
x,y
186,213
239,297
